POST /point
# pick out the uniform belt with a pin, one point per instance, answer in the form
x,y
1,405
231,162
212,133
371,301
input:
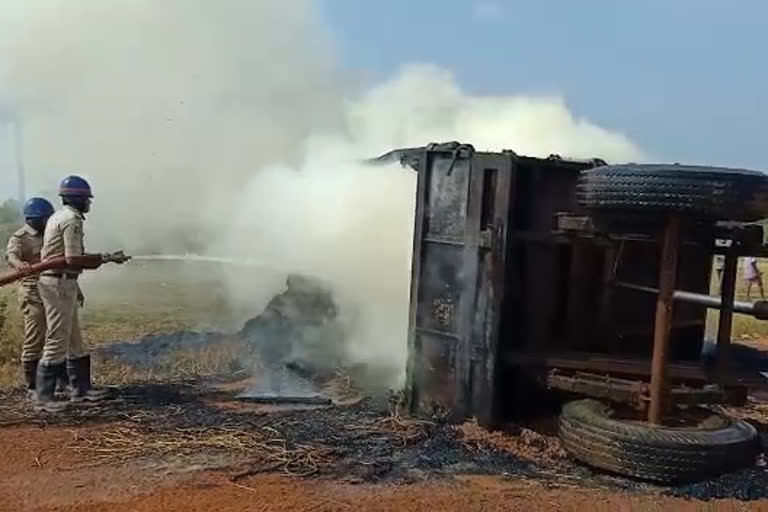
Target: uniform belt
x,y
60,275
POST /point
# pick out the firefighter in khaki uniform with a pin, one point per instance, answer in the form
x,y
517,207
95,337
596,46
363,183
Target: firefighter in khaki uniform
x,y
61,296
24,250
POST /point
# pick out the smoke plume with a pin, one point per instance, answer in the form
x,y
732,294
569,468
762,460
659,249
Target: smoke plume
x,y
228,128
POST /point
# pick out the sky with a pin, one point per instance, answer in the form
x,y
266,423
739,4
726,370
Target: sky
x,y
685,80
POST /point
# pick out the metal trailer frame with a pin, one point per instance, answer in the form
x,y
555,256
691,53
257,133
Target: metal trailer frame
x,y
512,282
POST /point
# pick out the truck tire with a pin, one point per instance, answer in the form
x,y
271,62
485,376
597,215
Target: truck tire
x,y
711,193
658,454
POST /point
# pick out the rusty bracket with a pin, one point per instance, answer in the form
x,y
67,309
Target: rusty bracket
x,y
636,392
600,386
460,151
569,223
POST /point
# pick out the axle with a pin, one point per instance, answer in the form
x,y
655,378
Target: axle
x,y
758,309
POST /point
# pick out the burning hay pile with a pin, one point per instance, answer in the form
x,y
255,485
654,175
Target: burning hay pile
x,y
297,339
302,323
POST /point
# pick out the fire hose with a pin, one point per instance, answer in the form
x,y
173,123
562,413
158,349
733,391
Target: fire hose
x,y
83,262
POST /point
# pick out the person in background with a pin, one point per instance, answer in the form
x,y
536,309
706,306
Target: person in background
x,y
719,269
22,252
753,275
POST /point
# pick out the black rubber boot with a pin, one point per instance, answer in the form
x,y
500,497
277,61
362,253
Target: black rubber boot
x,y
30,376
45,383
81,389
62,382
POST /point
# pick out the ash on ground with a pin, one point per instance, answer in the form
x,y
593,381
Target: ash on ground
x,y
283,385
297,344
362,442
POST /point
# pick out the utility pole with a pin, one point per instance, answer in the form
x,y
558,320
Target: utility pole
x,y
18,151
9,117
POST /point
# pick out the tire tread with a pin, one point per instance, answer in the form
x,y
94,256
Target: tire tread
x,y
659,454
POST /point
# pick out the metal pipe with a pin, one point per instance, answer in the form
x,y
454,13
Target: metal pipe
x,y
663,323
757,309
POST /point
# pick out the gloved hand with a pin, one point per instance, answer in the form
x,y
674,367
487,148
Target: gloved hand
x,y
80,297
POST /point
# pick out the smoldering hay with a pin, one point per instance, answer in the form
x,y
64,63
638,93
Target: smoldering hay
x,y
229,129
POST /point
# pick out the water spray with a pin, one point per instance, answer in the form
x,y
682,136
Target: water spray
x,y
246,262
94,261
194,257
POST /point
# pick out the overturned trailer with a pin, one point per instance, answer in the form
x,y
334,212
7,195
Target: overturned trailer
x,y
533,274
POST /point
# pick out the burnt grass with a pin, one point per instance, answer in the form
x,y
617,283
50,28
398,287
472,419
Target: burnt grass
x,y
359,455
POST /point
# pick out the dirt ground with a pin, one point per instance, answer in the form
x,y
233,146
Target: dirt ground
x,y
45,469
38,475
42,472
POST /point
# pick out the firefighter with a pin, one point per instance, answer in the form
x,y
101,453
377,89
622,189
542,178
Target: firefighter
x,y
61,294
24,250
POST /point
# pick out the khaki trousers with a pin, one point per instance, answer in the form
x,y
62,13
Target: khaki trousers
x,y
63,339
33,312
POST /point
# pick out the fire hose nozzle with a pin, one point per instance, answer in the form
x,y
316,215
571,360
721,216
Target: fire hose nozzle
x,y
118,257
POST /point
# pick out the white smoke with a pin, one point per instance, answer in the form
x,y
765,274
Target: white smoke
x,y
227,128
167,106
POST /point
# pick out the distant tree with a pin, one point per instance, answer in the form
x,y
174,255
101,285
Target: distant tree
x,y
10,212
10,220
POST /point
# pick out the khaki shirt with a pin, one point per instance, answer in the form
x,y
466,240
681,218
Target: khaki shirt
x,y
64,235
25,244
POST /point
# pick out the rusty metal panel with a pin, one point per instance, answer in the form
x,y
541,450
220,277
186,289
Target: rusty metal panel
x,y
493,179
457,280
437,283
446,212
441,287
433,376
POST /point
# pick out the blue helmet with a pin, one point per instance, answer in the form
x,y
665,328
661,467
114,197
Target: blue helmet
x,y
37,208
74,186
